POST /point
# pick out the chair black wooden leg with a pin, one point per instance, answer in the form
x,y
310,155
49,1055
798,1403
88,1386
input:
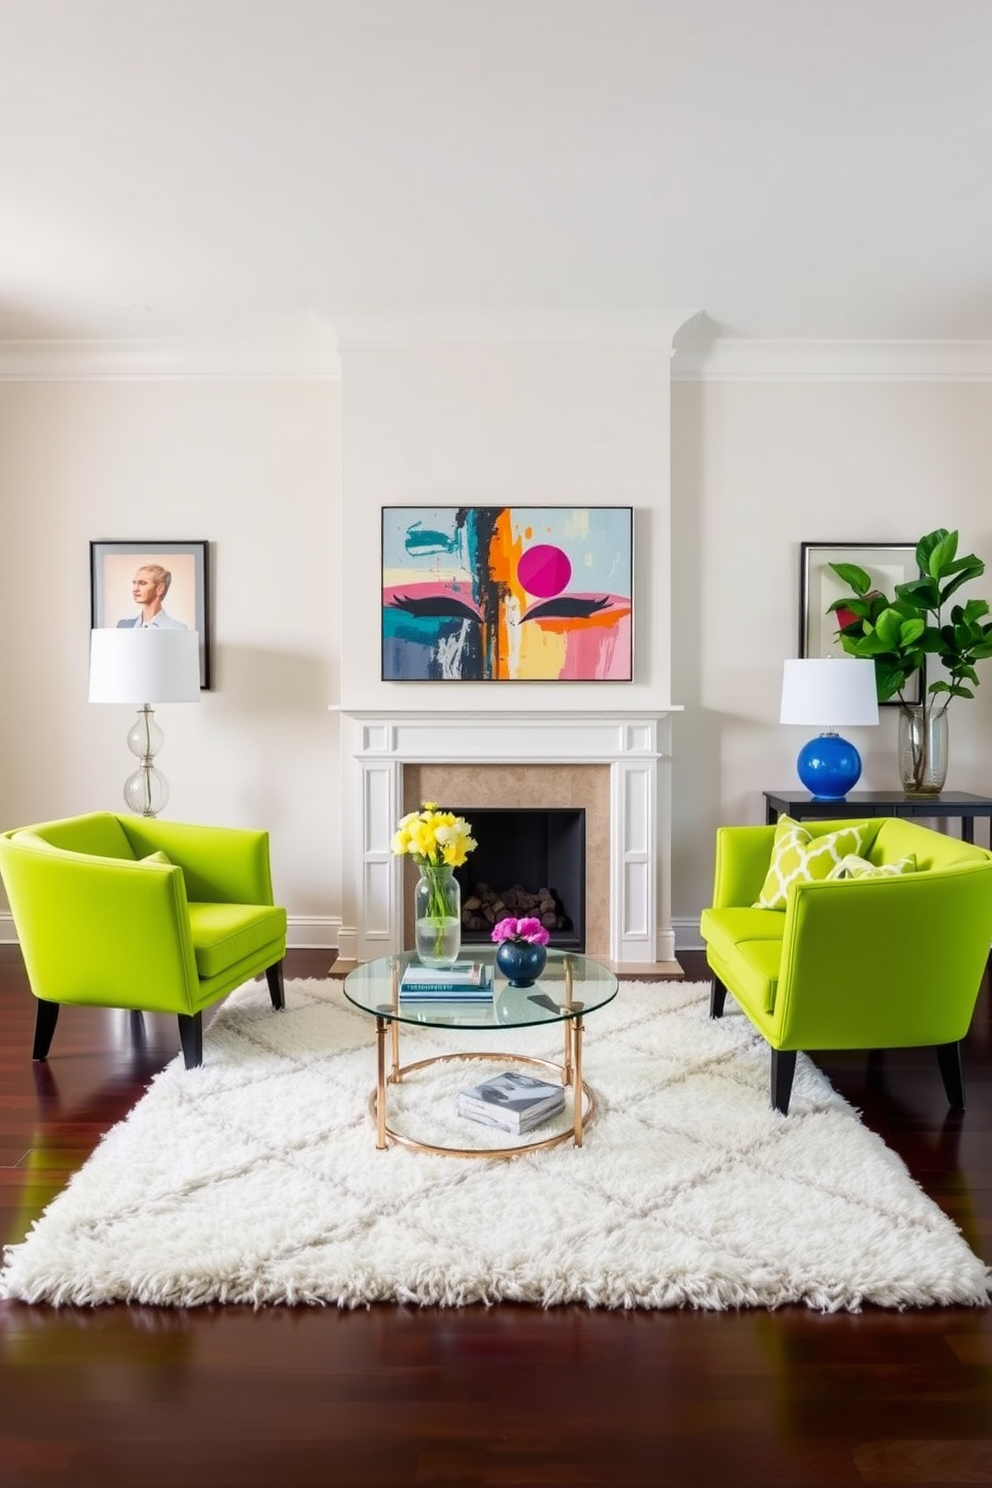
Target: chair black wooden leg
x,y
45,1019
277,991
191,1038
949,1059
783,1069
718,996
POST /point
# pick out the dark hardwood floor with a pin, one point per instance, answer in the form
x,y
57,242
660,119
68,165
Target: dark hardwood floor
x,y
143,1398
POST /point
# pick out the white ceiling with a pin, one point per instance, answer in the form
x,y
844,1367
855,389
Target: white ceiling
x,y
791,168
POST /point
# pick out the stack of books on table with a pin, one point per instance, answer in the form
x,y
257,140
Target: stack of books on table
x,y
512,1101
466,981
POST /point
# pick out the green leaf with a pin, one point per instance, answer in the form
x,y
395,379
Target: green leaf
x,y
968,564
889,680
859,607
889,627
920,594
926,545
964,577
859,581
941,554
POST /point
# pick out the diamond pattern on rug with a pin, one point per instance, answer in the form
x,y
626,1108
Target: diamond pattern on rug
x,y
256,1178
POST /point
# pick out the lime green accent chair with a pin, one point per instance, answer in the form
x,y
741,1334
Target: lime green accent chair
x,y
133,912
879,962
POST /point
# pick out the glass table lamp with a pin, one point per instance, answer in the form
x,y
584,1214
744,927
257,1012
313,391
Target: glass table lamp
x,y
145,666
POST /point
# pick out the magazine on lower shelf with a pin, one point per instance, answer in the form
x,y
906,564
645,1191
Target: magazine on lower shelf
x,y
513,1101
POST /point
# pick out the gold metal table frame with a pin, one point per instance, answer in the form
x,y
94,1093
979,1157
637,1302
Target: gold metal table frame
x,y
389,1071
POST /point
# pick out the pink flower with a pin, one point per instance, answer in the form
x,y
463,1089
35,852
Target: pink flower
x,y
528,931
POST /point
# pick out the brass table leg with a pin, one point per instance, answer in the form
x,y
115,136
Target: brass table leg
x,y
395,991
380,1083
577,1082
569,1031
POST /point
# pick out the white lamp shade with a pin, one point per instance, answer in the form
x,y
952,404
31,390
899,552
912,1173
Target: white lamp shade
x,y
829,693
134,665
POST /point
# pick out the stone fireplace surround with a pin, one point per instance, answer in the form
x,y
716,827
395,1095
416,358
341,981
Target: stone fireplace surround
x,y
617,767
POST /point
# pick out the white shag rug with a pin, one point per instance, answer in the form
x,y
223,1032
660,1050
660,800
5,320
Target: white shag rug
x,y
255,1179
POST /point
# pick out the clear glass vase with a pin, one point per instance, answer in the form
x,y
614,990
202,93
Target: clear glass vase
x,y
922,750
437,916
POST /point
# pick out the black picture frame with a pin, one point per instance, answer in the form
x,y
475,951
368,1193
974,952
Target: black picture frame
x,y
112,567
819,586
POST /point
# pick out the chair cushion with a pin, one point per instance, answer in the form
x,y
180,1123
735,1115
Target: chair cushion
x,y
224,934
156,857
800,857
851,866
751,939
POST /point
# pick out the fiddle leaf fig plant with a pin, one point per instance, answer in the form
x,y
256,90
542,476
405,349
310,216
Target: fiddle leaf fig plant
x,y
901,632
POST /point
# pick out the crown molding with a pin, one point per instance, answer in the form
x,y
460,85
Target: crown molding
x,y
235,359
727,359
317,356
652,329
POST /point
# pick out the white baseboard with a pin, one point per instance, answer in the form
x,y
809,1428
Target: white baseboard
x,y
687,936
315,931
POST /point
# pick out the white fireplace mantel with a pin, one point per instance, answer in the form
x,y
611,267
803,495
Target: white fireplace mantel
x,y
635,745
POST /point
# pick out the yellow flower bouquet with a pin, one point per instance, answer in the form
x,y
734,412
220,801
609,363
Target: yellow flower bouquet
x,y
438,842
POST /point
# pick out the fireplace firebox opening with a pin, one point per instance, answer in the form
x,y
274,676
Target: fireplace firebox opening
x,y
528,862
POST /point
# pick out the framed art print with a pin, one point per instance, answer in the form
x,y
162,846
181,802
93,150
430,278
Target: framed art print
x,y
160,584
507,593
887,564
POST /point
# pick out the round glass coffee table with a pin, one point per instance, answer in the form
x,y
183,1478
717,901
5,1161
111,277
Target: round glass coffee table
x,y
570,987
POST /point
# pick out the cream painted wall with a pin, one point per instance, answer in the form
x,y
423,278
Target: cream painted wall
x,y
253,468
526,424
759,468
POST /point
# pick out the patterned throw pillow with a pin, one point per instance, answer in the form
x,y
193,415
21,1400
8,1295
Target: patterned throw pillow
x,y
854,867
799,857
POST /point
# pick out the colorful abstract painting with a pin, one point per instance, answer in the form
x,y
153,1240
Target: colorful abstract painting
x,y
500,594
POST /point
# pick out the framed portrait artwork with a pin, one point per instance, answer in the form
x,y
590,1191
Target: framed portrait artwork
x,y
160,584
507,593
887,564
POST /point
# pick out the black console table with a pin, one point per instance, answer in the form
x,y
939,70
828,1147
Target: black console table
x,y
800,804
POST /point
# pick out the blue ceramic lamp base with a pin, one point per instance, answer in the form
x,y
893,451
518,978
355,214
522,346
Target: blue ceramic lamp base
x,y
829,767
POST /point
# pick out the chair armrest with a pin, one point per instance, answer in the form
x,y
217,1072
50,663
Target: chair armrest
x,y
742,858
883,962
222,865
103,931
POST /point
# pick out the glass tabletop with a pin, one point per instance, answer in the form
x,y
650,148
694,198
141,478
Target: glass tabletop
x,y
374,987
